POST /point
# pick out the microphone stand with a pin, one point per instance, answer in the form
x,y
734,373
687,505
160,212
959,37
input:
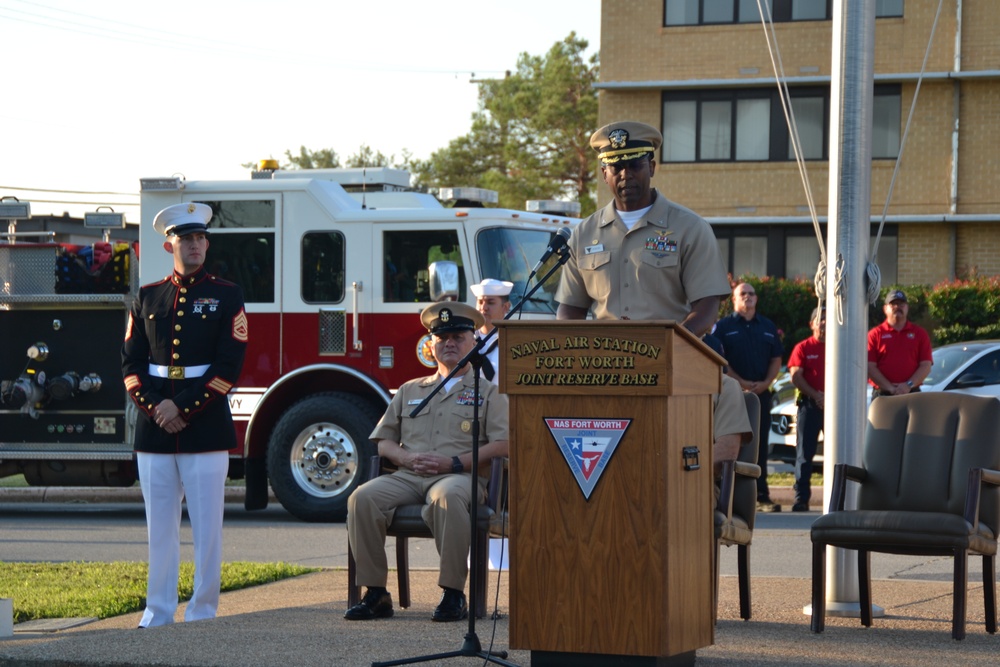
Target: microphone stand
x,y
471,646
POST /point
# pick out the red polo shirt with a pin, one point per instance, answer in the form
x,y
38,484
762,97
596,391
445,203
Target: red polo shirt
x,y
810,356
898,353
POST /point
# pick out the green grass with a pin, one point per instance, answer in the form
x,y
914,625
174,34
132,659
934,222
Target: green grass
x,y
788,479
18,481
103,590
13,481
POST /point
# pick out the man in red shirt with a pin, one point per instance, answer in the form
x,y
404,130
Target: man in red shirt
x,y
899,352
807,366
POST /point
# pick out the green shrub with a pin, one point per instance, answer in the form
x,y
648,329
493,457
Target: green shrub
x,y
952,311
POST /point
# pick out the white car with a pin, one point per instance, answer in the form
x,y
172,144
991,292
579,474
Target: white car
x,y
971,368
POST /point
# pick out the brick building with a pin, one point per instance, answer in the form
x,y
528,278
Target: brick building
x,y
700,71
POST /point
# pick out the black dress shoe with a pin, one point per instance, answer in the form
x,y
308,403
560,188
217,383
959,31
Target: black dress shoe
x,y
375,604
452,606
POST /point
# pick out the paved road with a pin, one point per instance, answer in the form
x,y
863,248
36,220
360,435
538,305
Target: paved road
x,y
116,531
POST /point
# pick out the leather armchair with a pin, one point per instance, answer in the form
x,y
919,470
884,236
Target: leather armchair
x,y
928,486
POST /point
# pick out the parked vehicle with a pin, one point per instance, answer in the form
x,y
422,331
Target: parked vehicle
x,y
335,266
970,368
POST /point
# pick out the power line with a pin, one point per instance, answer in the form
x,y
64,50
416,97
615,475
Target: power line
x,y
81,203
69,192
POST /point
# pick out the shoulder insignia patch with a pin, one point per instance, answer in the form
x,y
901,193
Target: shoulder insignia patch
x,y
241,330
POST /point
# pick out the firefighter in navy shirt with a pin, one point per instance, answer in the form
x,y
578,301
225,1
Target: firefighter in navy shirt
x,y
184,346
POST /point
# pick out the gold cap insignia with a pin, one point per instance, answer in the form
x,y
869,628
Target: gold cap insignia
x,y
618,138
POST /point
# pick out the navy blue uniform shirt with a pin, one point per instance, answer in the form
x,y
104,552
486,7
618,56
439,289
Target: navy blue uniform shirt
x,y
750,344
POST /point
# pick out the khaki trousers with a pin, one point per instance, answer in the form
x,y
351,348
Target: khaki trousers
x,y
446,500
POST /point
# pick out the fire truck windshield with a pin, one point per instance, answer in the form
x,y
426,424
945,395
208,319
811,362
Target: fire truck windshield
x,y
509,254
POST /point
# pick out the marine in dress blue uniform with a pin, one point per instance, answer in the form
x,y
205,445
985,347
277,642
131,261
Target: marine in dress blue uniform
x,y
184,347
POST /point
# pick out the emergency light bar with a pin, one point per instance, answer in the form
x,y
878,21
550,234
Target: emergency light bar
x,y
478,195
154,184
17,210
104,219
553,207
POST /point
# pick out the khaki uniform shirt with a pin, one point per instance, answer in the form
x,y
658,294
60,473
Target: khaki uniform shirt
x,y
444,425
652,272
730,410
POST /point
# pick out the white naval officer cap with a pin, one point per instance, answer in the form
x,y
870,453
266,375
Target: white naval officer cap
x,y
183,219
492,287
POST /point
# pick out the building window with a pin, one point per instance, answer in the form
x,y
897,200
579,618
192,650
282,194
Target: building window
x,y
791,251
743,251
802,254
887,8
713,12
886,121
749,124
810,119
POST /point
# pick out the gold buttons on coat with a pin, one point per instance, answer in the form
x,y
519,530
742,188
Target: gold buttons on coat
x,y
175,355
177,327
182,300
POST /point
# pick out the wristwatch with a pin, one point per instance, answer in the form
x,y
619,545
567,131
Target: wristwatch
x,y
456,466
909,383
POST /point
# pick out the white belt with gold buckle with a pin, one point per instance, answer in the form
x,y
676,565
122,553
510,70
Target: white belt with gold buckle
x,y
177,372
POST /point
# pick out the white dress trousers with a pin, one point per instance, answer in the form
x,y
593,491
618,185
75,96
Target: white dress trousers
x,y
167,480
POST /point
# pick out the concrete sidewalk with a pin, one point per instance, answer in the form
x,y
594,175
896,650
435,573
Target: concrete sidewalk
x,y
299,623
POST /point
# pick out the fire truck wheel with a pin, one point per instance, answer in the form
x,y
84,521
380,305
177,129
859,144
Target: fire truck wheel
x,y
319,453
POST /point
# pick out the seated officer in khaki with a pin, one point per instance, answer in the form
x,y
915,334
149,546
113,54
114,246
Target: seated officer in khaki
x,y
433,452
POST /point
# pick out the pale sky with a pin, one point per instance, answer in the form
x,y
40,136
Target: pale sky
x,y
100,93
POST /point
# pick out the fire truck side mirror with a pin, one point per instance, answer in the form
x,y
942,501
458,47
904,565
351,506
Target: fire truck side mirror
x,y
444,281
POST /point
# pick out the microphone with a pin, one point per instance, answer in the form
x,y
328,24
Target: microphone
x,y
557,243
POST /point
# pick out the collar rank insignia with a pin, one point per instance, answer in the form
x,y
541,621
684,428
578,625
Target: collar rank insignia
x,y
587,445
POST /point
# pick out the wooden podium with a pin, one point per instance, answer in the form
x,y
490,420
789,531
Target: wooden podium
x,y
611,491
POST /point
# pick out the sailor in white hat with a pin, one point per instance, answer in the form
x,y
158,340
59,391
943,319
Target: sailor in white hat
x,y
493,301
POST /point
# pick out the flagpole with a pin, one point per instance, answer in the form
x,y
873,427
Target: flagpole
x,y
849,231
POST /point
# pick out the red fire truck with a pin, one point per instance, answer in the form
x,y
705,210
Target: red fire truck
x,y
335,267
